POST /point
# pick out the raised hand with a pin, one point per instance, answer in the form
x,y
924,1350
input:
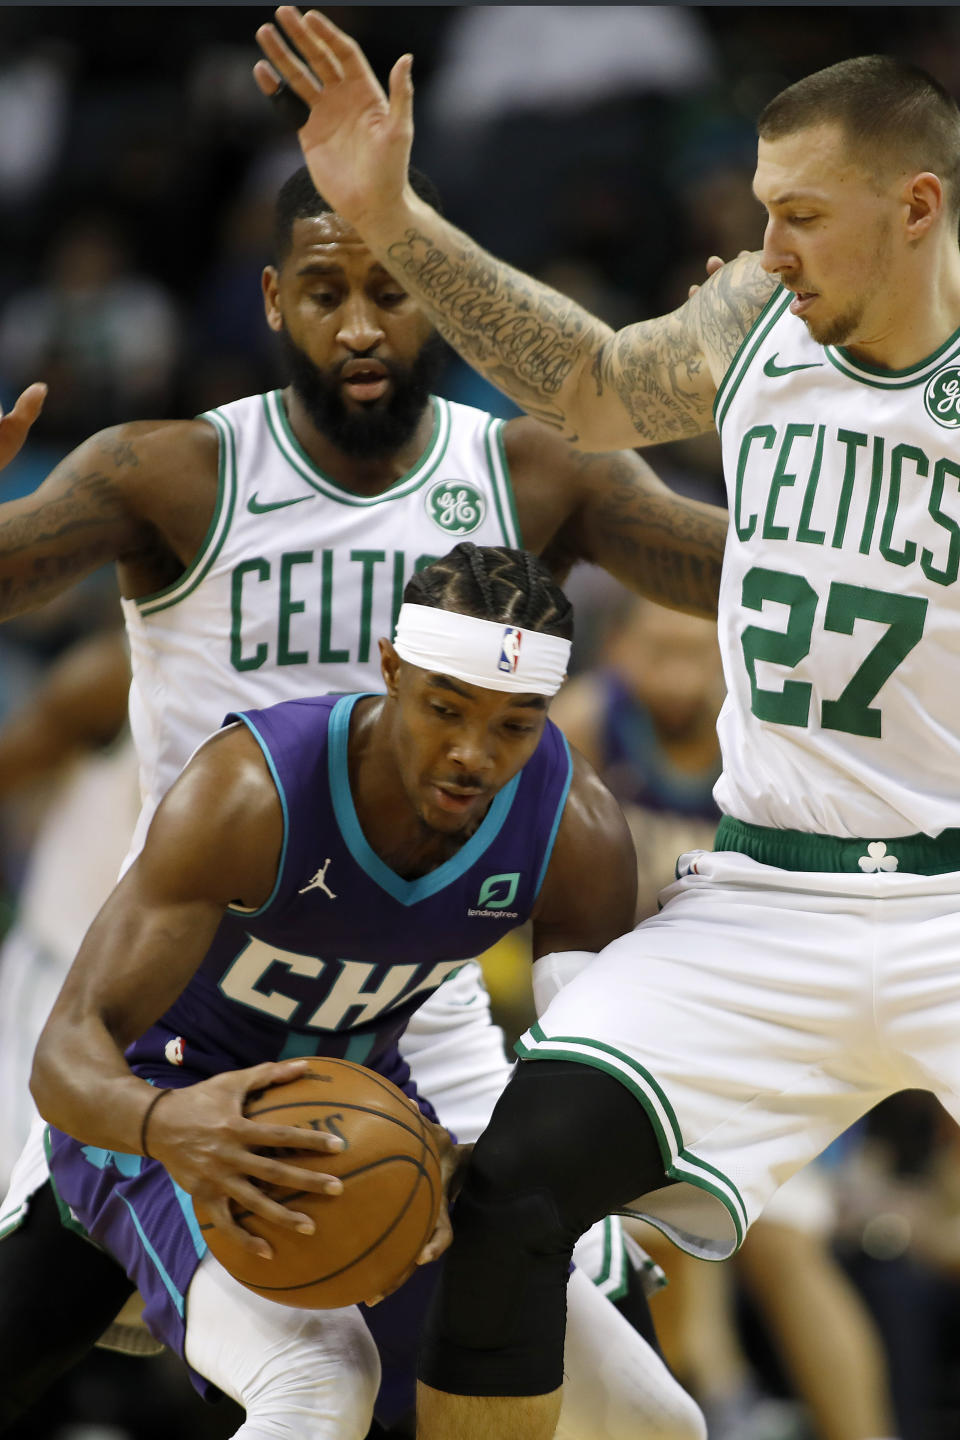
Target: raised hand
x,y
356,140
15,427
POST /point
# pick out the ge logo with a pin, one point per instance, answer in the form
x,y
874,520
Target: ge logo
x,y
456,507
942,397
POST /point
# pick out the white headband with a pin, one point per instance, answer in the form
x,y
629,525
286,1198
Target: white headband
x,y
481,652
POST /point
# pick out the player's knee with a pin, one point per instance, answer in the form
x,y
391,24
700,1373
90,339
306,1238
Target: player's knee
x,y
500,1301
566,1145
312,1391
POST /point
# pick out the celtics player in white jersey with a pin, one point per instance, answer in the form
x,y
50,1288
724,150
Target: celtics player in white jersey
x,y
807,967
261,551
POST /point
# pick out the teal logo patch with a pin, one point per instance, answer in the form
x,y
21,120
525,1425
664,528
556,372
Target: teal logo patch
x,y
498,891
458,508
942,397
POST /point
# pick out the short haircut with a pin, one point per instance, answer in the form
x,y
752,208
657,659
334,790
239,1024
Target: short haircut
x,y
892,114
494,583
299,199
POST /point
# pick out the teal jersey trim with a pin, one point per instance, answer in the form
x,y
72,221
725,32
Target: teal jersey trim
x,y
155,1260
185,1201
236,910
557,817
406,892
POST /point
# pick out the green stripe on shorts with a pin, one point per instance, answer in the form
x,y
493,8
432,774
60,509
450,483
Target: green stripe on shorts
x,y
678,1162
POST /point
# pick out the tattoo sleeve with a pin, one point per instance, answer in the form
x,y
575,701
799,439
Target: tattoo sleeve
x,y
660,544
650,382
58,535
529,340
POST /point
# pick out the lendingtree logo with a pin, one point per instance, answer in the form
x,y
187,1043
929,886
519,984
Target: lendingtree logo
x,y
456,506
942,397
498,891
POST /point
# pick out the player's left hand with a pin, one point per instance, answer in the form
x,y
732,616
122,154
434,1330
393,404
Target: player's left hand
x,y
714,263
15,427
356,140
453,1160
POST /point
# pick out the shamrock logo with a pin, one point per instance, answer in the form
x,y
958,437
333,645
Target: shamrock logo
x,y
877,858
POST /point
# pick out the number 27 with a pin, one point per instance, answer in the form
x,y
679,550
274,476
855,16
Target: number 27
x,y
903,615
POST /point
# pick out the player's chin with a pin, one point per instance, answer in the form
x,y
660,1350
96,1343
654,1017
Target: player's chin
x,y
449,810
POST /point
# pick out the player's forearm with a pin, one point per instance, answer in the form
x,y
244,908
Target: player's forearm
x,y
82,1085
58,535
533,343
672,553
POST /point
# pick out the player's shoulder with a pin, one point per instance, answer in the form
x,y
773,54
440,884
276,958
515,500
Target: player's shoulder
x,y
589,891
139,447
727,306
227,781
592,815
528,443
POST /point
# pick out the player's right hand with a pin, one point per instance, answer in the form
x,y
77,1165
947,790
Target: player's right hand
x,y
218,1156
356,140
15,427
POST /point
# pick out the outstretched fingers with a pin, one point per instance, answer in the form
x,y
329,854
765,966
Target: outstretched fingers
x,y
285,64
340,48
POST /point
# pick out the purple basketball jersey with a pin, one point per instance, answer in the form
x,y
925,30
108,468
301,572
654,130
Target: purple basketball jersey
x,y
334,963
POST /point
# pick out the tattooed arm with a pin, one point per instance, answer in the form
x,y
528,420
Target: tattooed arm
x,y
647,383
124,495
615,512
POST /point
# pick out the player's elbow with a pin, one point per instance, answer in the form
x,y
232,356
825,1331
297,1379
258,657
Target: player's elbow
x,y
45,1086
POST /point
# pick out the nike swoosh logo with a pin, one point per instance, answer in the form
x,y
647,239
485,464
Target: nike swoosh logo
x,y
772,369
261,507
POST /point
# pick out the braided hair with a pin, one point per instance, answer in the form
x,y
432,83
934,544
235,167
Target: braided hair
x,y
492,582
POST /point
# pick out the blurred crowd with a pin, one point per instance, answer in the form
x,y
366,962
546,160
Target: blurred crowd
x,y
609,150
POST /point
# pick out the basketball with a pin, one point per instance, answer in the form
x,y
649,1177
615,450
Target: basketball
x,y
367,1237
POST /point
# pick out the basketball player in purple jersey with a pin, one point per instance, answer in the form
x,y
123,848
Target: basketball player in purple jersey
x,y
317,870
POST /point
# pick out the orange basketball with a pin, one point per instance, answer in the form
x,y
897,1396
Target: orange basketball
x,y
367,1237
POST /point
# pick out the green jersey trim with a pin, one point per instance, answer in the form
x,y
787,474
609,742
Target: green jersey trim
x,y
502,484
678,1162
779,302
881,379
292,451
802,850
217,529
612,1280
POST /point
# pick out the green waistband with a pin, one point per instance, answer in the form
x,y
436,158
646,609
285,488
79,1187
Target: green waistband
x,y
800,850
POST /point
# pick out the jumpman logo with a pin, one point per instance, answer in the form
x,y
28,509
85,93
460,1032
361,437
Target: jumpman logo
x,y
319,882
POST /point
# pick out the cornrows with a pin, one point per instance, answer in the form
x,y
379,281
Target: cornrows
x,y
494,583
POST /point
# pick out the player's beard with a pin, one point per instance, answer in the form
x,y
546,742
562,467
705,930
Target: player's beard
x,y
376,429
838,329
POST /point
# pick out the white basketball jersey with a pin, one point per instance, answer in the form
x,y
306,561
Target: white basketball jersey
x,y
68,878
298,578
840,609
